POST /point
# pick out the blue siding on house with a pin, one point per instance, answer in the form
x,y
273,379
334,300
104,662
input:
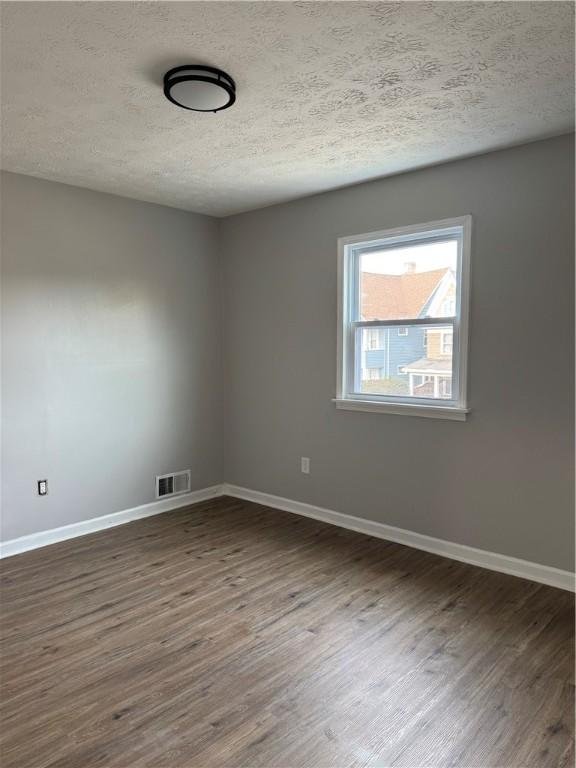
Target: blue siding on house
x,y
396,350
375,358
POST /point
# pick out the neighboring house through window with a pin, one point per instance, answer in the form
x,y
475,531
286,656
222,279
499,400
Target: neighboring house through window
x,y
403,317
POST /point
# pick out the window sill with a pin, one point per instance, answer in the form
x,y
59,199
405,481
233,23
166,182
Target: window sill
x,y
404,409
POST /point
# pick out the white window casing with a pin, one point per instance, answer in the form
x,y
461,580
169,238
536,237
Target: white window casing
x,y
455,406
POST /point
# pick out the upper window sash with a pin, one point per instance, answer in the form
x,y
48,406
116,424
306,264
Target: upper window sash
x,y
394,242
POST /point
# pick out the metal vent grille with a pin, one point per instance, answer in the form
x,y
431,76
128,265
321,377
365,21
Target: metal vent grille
x,y
166,486
173,484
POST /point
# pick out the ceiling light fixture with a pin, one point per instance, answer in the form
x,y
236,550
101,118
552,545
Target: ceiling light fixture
x,y
199,88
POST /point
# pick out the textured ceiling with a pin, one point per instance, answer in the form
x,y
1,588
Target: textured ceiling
x,y
329,93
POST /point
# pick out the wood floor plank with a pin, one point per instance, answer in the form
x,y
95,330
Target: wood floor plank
x,y
232,635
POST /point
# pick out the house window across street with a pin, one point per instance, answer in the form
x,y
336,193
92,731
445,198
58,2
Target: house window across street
x,y
446,342
403,320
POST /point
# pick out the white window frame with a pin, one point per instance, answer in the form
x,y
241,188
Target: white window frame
x,y
348,268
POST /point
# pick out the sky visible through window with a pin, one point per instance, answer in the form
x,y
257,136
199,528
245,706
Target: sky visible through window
x,y
425,258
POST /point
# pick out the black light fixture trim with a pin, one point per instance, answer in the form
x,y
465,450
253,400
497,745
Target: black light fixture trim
x,y
204,74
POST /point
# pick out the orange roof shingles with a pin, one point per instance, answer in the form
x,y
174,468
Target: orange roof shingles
x,y
397,297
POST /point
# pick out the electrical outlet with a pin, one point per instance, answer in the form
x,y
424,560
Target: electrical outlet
x,y
42,487
305,465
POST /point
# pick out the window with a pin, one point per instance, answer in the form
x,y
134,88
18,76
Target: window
x,y
374,338
446,342
448,306
413,278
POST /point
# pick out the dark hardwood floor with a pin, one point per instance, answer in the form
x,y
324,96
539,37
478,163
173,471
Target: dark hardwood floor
x,y
232,635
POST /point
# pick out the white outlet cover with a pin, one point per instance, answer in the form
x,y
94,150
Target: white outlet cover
x,y
305,465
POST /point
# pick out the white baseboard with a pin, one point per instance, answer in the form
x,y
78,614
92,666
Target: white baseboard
x,y
543,574
43,538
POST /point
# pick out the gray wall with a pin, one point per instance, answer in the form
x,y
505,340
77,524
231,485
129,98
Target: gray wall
x,y
501,481
112,356
111,352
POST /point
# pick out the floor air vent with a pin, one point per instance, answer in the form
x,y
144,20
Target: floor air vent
x,y
173,484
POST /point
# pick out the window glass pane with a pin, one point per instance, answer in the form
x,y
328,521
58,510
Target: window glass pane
x,y
408,282
418,364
